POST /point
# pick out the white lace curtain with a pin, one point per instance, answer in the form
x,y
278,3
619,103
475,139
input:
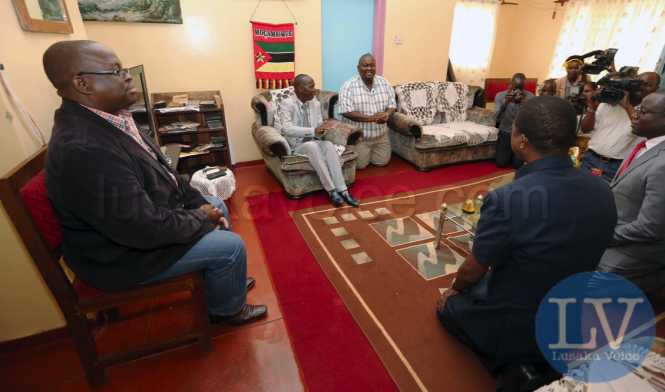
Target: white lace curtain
x,y
472,39
635,27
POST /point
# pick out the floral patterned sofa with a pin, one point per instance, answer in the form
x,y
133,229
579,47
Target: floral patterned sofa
x,y
294,172
436,124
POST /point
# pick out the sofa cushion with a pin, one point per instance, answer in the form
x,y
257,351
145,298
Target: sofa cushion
x,y
460,132
452,100
276,99
418,101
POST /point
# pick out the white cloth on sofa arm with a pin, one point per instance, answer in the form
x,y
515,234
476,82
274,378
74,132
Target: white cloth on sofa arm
x,y
461,132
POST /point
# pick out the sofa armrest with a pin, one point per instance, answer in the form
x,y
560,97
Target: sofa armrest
x,y
481,116
328,99
270,140
476,97
343,134
260,106
405,125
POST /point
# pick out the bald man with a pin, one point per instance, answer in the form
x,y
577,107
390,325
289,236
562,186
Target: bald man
x,y
651,83
637,251
299,119
367,101
126,217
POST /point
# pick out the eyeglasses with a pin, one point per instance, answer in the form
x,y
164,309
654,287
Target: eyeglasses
x,y
115,72
639,111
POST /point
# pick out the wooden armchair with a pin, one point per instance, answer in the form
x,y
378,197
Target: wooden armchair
x,y
23,194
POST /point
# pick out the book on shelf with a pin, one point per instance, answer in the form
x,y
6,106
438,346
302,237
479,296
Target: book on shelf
x,y
208,104
177,109
214,121
209,146
180,126
192,153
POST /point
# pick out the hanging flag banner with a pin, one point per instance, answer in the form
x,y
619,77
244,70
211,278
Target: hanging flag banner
x,y
274,54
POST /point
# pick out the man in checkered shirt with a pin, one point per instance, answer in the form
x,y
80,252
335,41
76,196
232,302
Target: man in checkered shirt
x,y
367,101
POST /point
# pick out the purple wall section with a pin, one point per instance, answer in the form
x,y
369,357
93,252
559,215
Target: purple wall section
x,y
379,33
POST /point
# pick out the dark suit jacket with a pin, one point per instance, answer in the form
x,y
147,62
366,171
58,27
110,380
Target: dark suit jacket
x,y
638,248
123,217
553,221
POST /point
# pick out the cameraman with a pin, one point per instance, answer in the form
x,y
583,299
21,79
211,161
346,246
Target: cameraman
x,y
508,103
612,140
571,85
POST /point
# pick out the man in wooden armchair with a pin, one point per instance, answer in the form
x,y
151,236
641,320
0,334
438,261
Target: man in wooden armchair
x,y
127,219
299,119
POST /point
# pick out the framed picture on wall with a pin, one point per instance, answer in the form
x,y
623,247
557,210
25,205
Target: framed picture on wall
x,y
43,16
144,11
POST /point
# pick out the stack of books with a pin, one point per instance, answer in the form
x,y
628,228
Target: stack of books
x,y
180,126
210,104
214,121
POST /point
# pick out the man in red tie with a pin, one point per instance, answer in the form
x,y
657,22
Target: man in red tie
x,y
637,251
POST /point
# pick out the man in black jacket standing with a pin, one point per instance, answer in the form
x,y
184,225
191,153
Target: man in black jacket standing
x,y
127,219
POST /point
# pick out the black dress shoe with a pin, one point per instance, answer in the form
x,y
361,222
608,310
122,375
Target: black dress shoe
x,y
251,282
349,199
336,199
247,314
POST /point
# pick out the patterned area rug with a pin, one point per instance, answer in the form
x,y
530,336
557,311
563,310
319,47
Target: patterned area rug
x,y
384,262
323,320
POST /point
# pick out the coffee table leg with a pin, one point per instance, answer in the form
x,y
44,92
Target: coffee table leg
x,y
443,215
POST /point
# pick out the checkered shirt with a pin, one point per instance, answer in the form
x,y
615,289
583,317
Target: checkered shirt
x,y
125,122
354,96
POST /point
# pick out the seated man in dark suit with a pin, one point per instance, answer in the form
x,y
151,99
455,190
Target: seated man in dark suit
x,y
532,233
127,219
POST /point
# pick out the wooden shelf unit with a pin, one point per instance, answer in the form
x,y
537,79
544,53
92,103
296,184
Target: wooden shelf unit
x,y
203,135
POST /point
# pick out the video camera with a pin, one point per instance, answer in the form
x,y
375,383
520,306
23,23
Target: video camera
x,y
612,86
603,61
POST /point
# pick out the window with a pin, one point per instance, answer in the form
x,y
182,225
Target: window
x,y
636,28
472,40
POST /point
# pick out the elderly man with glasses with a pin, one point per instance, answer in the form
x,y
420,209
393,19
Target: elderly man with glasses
x,y
127,219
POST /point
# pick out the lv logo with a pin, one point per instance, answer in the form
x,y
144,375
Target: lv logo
x,y
598,306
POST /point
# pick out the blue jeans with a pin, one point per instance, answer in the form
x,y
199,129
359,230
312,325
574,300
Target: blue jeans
x,y
221,256
591,160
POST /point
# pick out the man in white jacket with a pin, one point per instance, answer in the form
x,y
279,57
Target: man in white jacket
x,y
300,120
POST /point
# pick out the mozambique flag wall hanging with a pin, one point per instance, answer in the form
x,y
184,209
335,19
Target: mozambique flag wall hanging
x,y
274,55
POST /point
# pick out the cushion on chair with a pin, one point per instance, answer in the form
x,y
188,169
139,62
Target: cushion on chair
x,y
418,101
278,96
452,100
39,206
85,291
461,132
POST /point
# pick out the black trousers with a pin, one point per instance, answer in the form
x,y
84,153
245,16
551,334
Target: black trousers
x,y
499,336
505,157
